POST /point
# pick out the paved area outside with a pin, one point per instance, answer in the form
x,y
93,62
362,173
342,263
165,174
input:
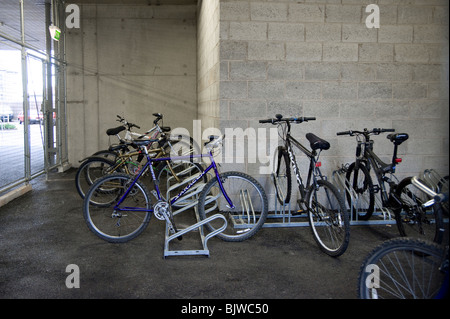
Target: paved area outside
x,y
44,231
12,165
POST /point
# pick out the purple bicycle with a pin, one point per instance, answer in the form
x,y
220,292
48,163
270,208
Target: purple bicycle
x,y
118,207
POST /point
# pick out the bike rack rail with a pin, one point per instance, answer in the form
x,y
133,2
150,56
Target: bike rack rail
x,y
382,215
188,201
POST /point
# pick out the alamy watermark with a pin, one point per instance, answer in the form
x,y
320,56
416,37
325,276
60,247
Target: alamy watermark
x,y
73,279
373,278
73,16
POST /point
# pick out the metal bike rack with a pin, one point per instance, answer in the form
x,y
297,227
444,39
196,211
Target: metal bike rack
x,y
282,213
188,201
380,216
433,179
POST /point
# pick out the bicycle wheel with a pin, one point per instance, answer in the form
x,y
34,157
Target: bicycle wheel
x,y
90,170
414,220
328,218
249,201
362,200
402,268
281,174
116,226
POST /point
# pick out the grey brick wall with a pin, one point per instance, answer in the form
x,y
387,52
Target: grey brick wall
x,y
318,58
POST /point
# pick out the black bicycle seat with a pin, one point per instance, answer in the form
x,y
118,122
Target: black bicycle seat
x,y
397,138
116,130
317,143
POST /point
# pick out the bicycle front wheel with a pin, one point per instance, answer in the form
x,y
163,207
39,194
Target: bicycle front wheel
x,y
249,210
361,194
402,268
281,174
90,170
107,223
328,218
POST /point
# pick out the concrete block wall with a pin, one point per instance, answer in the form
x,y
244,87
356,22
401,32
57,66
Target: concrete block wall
x,y
131,60
318,58
208,66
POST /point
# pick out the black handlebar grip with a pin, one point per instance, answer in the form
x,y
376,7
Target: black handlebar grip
x,y
344,133
265,121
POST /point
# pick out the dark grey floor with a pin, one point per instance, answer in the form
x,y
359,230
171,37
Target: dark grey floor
x,y
44,231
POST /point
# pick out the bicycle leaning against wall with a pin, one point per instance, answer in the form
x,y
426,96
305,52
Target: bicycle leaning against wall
x,y
321,200
399,197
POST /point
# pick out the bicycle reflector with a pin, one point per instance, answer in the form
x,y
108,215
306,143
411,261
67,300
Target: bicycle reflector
x,y
398,160
318,164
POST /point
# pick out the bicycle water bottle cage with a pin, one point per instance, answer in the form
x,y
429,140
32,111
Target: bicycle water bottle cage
x,y
398,138
317,143
115,131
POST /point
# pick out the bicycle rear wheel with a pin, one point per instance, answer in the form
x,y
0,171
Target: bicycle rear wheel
x,y
402,268
414,220
281,174
117,226
328,218
250,206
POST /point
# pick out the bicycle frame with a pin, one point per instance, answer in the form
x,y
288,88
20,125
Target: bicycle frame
x,y
149,165
313,167
380,168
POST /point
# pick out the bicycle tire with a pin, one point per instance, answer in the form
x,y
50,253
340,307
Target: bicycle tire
x,y
85,177
403,264
282,175
331,225
101,218
364,191
413,220
239,226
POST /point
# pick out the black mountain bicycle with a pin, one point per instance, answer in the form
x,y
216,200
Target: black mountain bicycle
x,y
399,197
321,200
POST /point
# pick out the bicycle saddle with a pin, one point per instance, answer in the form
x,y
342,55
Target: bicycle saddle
x,y
115,131
397,138
317,143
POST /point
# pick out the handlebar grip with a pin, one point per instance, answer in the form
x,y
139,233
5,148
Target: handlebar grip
x,y
306,119
344,133
266,121
388,130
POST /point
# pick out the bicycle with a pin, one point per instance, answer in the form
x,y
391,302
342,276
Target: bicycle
x,y
119,158
118,208
407,267
321,200
401,197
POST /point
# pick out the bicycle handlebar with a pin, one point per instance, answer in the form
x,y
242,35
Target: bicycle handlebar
x,y
279,118
130,125
375,131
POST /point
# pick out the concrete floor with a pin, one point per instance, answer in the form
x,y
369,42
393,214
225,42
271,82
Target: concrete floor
x,y
42,232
